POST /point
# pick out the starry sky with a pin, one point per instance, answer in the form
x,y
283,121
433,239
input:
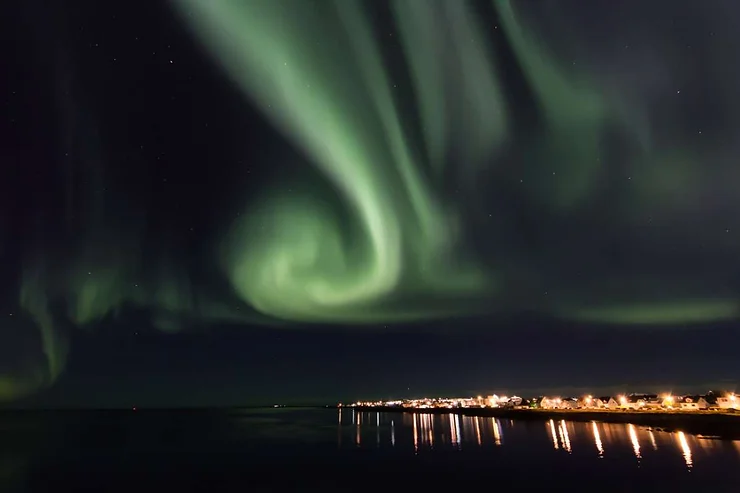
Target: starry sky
x,y
241,202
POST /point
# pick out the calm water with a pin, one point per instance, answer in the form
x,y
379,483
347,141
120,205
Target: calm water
x,y
324,450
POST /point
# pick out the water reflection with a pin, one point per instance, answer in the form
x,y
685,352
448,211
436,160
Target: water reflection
x,y
454,429
377,429
685,449
652,440
564,437
358,436
553,435
634,440
427,432
339,429
53,448
597,439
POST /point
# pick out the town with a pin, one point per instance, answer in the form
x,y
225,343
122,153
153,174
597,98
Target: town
x,y
711,401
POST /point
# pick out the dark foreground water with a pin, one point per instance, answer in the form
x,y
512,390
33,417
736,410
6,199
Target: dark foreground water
x,y
327,450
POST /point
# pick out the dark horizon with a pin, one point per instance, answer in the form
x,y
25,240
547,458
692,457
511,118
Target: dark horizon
x,y
363,366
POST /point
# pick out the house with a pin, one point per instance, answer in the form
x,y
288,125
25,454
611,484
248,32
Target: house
x,y
670,401
631,402
550,403
569,403
587,402
693,403
652,401
730,401
606,402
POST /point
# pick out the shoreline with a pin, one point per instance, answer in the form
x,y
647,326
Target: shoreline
x,y
725,426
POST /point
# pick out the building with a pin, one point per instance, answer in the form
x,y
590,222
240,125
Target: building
x,y
587,402
693,403
730,401
550,403
569,403
631,402
652,401
670,402
606,402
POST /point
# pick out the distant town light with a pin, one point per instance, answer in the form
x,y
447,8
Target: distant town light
x,y
666,402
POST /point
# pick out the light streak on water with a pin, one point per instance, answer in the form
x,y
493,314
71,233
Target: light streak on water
x,y
652,440
564,436
339,429
553,434
457,429
597,439
416,435
686,450
635,442
454,437
358,438
429,427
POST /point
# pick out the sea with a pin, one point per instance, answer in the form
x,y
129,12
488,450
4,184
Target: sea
x,y
285,449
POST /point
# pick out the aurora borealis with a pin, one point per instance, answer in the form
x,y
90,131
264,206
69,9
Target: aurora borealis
x,y
370,163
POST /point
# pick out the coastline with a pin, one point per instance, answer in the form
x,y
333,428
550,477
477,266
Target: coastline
x,y
712,424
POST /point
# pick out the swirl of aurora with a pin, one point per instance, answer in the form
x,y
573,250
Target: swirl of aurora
x,y
317,72
334,100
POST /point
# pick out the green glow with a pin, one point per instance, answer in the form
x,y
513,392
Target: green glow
x,y
576,116
478,108
34,299
12,387
317,73
690,311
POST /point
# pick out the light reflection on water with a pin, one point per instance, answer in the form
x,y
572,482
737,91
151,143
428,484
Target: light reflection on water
x,y
71,449
427,432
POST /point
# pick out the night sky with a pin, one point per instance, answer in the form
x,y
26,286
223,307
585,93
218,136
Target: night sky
x,y
237,202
